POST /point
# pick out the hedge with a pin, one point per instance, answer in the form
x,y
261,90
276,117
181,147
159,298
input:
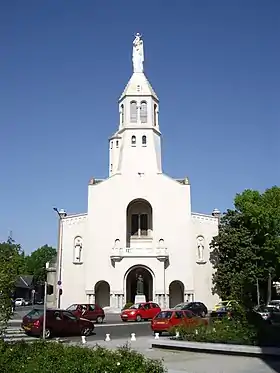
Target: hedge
x,y
247,329
52,357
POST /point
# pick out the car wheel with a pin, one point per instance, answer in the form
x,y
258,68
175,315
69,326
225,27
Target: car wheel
x,y
48,333
138,318
86,331
99,320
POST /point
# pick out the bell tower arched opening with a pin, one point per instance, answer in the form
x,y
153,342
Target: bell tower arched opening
x,y
139,221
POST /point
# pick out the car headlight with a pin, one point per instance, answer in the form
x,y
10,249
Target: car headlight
x,y
132,313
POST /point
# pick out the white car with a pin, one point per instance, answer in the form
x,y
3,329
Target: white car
x,y
20,302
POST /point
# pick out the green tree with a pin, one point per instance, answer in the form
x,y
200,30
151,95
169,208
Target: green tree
x,y
11,262
36,262
247,248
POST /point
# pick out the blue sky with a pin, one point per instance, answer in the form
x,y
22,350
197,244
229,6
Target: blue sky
x,y
63,64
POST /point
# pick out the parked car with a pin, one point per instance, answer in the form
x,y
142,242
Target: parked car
x,y
20,302
58,323
198,308
91,312
165,320
268,313
225,304
140,311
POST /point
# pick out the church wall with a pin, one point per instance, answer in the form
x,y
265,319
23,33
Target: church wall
x,y
138,157
206,226
172,222
73,280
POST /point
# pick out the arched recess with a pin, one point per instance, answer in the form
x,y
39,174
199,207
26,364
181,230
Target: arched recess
x,y
176,293
130,282
133,111
102,293
139,220
143,112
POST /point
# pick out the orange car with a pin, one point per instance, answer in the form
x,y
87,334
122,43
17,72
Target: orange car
x,y
165,320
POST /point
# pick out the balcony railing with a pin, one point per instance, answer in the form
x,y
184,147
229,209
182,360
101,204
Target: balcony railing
x,y
136,252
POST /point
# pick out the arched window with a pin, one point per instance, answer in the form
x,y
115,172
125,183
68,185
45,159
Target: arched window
x,y
133,112
122,114
143,112
155,114
117,143
133,140
144,140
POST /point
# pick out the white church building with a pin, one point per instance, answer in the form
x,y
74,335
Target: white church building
x,y
139,220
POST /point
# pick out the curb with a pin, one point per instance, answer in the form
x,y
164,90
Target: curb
x,y
217,348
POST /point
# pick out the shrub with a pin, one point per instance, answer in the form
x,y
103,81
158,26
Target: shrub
x,y
51,357
225,331
245,327
127,305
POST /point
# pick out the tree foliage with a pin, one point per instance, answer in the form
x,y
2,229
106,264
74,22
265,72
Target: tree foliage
x,y
35,263
247,248
11,265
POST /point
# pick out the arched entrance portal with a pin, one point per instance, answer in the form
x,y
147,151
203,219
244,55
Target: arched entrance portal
x,y
176,293
102,293
131,283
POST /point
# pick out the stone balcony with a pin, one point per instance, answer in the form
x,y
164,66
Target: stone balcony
x,y
137,252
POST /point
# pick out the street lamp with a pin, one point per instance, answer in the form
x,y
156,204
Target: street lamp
x,y
61,215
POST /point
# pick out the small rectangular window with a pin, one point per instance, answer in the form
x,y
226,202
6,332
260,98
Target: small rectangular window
x,y
117,143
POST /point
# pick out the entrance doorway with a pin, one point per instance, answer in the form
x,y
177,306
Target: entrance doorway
x,y
102,293
176,293
131,283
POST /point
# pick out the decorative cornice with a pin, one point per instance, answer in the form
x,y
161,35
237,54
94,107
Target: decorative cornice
x,y
204,217
74,219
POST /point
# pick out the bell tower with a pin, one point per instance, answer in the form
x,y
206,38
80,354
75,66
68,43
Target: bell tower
x,y
136,146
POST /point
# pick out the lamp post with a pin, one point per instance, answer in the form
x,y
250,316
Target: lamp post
x,y
61,215
45,304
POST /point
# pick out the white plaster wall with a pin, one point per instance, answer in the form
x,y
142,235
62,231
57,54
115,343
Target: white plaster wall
x,y
73,275
206,226
140,158
107,203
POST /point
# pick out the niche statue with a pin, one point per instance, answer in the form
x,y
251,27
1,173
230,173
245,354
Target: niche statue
x,y
140,285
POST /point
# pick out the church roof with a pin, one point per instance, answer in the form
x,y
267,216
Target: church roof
x,y
138,85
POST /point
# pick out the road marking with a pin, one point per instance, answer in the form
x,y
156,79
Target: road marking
x,y
123,324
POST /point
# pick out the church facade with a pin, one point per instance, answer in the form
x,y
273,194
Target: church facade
x,y
139,222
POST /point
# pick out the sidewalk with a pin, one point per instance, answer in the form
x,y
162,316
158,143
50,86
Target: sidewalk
x,y
193,362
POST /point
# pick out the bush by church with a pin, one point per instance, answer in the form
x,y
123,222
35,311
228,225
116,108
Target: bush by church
x,y
49,357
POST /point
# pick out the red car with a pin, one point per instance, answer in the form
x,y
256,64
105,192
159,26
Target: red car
x,y
91,312
140,311
58,323
165,320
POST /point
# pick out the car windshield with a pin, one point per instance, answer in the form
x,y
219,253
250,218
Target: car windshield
x,y
73,307
35,314
135,306
19,299
274,303
179,306
164,315
264,309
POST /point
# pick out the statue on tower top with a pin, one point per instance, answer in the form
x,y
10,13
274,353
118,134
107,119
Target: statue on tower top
x,y
138,54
